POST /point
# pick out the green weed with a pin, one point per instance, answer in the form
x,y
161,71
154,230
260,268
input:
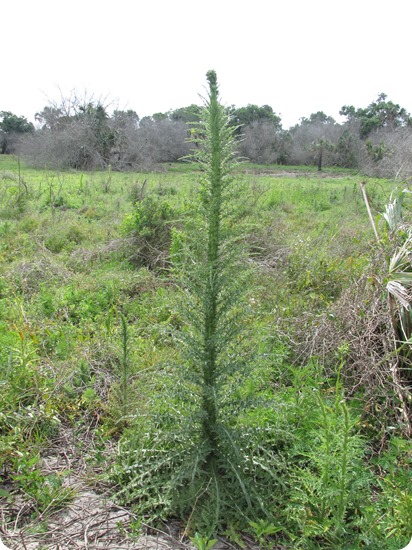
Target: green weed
x,y
202,542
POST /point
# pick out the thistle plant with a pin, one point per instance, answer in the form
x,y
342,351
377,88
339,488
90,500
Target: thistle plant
x,y
211,288
201,458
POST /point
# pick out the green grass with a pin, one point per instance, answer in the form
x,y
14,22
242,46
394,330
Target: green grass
x,y
66,277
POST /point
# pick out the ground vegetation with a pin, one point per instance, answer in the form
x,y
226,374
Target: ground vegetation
x,y
216,354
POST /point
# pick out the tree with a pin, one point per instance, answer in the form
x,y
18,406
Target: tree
x,y
381,113
251,113
319,147
321,124
262,142
52,118
120,118
12,127
313,138
161,140
189,114
242,117
347,148
382,134
319,118
76,133
95,117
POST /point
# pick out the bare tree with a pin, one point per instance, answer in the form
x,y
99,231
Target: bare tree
x,y
75,146
263,142
149,143
314,140
388,153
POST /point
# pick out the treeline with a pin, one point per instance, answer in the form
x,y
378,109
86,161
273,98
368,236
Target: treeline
x,y
80,133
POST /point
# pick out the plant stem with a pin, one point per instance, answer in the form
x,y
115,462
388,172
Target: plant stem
x,y
212,259
125,337
344,465
326,465
365,198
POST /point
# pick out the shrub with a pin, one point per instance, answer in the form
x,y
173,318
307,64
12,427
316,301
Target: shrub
x,y
150,228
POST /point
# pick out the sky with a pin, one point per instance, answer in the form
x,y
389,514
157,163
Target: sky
x,y
298,56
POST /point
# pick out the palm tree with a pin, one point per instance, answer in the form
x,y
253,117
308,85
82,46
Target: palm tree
x,y
319,146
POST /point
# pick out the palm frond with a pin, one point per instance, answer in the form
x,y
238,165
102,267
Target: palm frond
x,y
399,293
393,210
401,260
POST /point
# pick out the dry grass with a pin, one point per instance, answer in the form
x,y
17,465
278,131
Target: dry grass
x,y
29,275
356,333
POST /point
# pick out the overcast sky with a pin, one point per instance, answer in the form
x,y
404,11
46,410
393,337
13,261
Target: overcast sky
x,y
298,56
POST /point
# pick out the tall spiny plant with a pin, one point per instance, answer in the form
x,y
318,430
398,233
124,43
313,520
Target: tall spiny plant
x,y
213,279
198,455
238,472
217,159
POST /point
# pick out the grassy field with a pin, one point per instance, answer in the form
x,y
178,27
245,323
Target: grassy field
x,y
88,308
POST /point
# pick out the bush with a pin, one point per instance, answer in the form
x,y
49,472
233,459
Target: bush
x,y
149,226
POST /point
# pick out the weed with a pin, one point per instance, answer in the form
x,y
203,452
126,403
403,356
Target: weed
x,y
203,542
199,458
329,486
262,530
46,490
